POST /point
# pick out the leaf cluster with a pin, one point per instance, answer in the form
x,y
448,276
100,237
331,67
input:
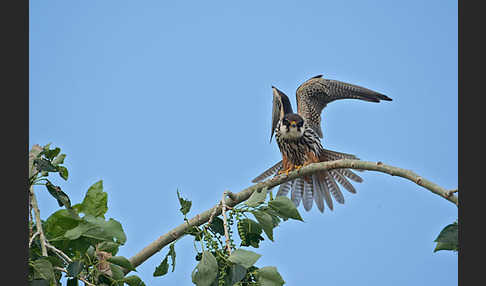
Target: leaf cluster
x,y
83,243
252,220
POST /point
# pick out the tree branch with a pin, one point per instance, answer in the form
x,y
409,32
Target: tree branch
x,y
236,198
38,221
61,254
225,224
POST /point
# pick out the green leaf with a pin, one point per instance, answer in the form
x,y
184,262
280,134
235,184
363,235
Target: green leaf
x,y
97,228
217,225
44,165
121,261
39,282
446,246
185,204
269,276
116,272
109,246
59,222
266,222
90,252
244,258
285,208
163,268
59,160
206,270
257,198
236,274
448,238
272,213
172,255
61,197
74,268
63,172
50,154
43,269
133,280
95,202
72,282
250,232
55,261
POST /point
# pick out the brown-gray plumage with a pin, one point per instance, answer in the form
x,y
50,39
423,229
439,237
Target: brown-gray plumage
x,y
297,135
314,94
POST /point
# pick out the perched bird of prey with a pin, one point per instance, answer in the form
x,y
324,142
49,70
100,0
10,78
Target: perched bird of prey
x,y
298,138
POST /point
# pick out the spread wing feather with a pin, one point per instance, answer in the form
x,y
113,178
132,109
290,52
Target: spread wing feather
x,y
314,94
269,172
280,106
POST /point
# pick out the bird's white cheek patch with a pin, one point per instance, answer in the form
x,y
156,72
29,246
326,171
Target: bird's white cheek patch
x,y
292,133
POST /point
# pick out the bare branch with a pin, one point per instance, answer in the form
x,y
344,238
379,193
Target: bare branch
x,y
239,197
61,254
32,238
38,221
449,193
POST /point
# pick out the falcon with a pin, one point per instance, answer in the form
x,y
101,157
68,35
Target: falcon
x,y
298,138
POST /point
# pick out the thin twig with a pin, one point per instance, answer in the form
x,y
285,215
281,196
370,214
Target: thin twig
x,y
38,222
213,214
59,253
225,223
243,195
32,238
86,282
451,192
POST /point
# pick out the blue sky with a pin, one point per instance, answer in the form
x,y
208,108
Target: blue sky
x,y
155,96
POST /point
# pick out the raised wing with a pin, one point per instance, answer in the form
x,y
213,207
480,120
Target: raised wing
x,y
314,94
281,105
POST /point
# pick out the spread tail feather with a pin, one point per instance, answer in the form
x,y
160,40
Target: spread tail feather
x,y
319,192
297,191
308,195
284,188
322,185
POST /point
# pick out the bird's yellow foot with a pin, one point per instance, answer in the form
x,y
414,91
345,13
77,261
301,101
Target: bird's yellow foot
x,y
297,167
285,171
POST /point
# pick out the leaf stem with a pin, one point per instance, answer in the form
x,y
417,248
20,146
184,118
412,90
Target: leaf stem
x,y
225,223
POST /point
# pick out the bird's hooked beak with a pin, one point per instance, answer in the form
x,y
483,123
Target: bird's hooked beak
x,y
293,124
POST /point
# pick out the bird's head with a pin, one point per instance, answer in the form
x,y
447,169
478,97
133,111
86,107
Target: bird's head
x,y
292,126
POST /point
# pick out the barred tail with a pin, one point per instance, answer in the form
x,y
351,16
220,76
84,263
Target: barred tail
x,y
319,187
